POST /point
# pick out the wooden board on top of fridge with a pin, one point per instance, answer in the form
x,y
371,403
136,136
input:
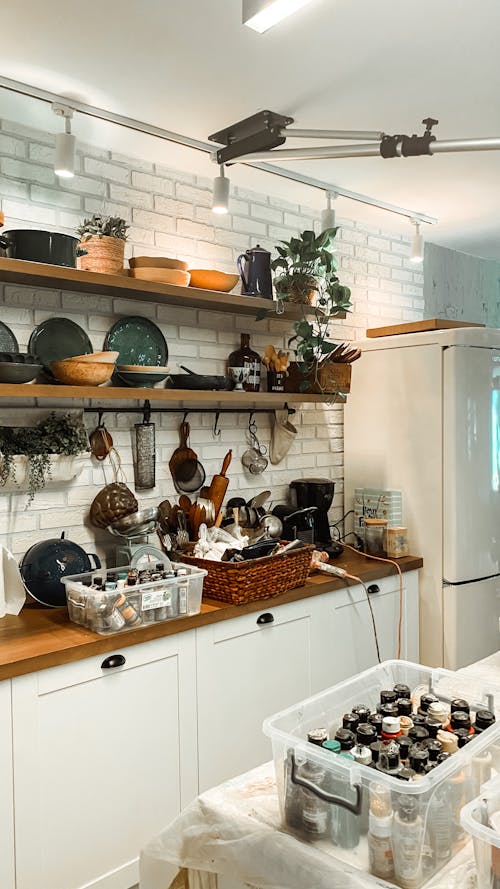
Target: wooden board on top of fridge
x,y
419,327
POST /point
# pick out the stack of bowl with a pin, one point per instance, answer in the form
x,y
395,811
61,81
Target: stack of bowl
x,y
159,269
18,367
85,370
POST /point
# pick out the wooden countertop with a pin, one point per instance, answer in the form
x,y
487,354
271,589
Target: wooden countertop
x,y
44,637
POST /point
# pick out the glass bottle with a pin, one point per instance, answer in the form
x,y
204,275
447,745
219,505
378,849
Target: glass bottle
x,y
247,358
407,843
380,833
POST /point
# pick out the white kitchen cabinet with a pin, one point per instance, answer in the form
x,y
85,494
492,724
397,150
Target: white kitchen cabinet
x,y
345,642
104,758
7,863
248,669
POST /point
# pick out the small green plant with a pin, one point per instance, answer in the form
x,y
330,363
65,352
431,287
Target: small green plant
x,y
58,434
103,226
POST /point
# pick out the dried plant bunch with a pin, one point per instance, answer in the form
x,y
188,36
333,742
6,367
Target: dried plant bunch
x,y
103,226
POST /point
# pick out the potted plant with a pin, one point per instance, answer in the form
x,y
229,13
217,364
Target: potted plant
x,y
52,451
306,269
102,238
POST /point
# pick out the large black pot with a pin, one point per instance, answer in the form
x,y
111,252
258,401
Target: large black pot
x,y
46,562
37,246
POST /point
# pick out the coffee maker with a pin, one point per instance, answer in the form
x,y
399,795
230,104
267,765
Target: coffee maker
x,y
317,492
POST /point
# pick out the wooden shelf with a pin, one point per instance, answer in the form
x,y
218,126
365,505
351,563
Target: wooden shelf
x,y
176,396
16,271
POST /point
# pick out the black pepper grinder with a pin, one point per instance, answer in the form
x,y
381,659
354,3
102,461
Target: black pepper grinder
x,y
246,357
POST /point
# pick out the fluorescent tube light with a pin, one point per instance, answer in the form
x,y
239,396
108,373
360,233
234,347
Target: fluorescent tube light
x,y
260,15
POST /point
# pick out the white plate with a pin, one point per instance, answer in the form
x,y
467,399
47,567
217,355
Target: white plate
x,y
137,368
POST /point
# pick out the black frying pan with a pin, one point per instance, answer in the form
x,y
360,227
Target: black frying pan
x,y
191,380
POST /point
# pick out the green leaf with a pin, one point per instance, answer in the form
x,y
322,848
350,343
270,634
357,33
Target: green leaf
x,y
261,314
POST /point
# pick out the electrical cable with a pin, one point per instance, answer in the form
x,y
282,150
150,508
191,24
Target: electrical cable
x,y
398,569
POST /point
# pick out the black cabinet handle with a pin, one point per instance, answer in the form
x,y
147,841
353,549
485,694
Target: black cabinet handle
x,y
266,618
114,660
374,588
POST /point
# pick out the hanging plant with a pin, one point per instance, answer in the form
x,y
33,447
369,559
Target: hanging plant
x,y
58,434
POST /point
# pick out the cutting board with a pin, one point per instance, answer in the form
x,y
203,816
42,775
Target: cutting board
x,y
419,327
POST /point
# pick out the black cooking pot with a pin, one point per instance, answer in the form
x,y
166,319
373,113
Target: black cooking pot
x,y
46,562
38,246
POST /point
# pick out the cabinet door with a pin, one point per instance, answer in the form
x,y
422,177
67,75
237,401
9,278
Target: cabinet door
x,y
248,670
104,758
7,869
345,643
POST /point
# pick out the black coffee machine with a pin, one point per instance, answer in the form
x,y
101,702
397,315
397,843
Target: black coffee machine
x,y
317,492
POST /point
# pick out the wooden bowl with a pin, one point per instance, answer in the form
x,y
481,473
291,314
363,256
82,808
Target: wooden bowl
x,y
157,262
81,373
211,279
162,276
95,357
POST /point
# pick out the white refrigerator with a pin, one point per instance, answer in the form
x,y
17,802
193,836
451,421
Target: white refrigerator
x,y
423,416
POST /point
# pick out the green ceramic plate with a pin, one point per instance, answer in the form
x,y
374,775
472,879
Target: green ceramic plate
x,y
139,341
56,339
8,342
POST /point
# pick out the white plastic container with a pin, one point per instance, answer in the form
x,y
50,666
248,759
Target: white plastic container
x,y
477,818
116,610
426,828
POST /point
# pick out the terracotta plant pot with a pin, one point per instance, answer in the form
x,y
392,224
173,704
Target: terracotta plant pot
x,y
300,294
104,255
330,378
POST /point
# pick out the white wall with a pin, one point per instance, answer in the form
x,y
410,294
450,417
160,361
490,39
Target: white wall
x,y
461,287
170,215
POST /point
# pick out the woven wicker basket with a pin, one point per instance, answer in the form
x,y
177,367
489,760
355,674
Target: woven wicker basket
x,y
104,255
242,582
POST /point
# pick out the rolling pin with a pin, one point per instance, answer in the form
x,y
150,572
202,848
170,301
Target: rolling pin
x,y
220,484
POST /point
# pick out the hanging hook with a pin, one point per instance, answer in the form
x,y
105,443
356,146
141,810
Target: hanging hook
x,y
146,415
216,431
186,415
100,416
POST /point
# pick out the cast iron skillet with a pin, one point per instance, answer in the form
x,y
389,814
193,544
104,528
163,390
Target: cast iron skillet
x,y
191,380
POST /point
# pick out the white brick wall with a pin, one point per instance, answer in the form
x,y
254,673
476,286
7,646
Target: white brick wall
x,y
170,211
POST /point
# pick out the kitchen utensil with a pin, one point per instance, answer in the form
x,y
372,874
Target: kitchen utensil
x,y
161,275
165,540
254,461
81,373
94,357
40,246
182,533
296,522
283,434
258,550
8,342
145,453
182,452
208,506
294,544
189,476
210,279
220,483
191,380
141,369
258,501
100,442
112,503
18,373
135,524
239,376
272,525
46,562
185,503
138,341
165,515
254,267
157,262
58,338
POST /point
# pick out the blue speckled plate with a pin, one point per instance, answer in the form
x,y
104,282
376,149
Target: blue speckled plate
x,y
139,341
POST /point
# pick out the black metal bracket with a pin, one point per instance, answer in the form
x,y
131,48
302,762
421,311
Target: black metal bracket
x,y
409,146
260,132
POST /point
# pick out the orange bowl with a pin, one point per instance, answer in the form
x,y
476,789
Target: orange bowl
x,y
211,279
81,373
161,276
157,262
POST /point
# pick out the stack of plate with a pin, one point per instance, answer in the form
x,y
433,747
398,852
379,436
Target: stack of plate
x,y
15,366
160,269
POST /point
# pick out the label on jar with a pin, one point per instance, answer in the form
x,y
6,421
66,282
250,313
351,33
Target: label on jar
x,y
253,373
156,599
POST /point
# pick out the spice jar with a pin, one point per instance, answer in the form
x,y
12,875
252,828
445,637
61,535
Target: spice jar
x,y
375,536
396,542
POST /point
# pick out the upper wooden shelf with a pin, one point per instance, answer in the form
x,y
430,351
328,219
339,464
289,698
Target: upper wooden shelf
x,y
16,271
178,396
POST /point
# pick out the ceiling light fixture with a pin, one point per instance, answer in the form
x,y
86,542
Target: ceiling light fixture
x,y
260,15
417,244
220,202
328,214
64,163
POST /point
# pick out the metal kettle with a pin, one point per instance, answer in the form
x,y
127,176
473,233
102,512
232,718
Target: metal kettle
x,y
254,267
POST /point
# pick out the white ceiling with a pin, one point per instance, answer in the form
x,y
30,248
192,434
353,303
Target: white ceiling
x,y
190,66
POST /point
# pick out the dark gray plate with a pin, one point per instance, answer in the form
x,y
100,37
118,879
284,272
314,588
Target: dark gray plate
x,y
56,339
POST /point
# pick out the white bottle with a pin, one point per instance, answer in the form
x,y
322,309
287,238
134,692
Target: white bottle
x,y
407,839
380,853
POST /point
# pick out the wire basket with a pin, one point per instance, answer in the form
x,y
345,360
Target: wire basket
x,y
240,582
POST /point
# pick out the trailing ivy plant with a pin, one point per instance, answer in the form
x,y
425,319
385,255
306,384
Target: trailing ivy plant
x,y
62,434
103,226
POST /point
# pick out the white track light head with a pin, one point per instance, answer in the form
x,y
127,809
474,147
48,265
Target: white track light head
x,y
328,214
220,202
260,15
417,245
64,163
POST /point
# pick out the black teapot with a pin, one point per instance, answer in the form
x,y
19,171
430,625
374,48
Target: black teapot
x,y
255,272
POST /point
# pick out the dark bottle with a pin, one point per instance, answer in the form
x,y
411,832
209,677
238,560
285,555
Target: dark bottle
x,y
418,758
464,736
346,738
460,704
425,702
247,358
350,721
460,719
376,720
363,711
434,747
418,733
404,706
405,744
317,736
402,691
484,718
388,696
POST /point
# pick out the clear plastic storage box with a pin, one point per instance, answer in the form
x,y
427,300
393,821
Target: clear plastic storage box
x,y
481,820
117,607
417,827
